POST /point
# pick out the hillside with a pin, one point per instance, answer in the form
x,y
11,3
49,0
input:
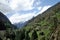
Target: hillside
x,y
5,25
45,26
46,22
4,21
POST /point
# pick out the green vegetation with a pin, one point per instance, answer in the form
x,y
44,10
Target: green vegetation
x,y
41,28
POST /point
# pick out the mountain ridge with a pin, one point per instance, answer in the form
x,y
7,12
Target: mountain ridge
x,y
44,13
46,25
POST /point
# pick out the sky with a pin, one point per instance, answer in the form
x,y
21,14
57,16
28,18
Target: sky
x,y
23,10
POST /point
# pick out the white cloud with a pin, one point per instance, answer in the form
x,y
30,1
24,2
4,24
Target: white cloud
x,y
43,9
24,17
4,2
21,4
4,8
18,5
21,18
39,8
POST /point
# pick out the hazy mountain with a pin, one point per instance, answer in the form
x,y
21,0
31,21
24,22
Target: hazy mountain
x,y
20,24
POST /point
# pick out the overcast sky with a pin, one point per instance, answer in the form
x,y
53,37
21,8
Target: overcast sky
x,y
23,10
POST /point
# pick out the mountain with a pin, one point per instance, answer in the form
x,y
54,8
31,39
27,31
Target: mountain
x,y
45,15
45,26
20,24
5,27
4,22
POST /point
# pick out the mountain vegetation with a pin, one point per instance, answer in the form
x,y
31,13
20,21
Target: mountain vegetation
x,y
45,26
5,25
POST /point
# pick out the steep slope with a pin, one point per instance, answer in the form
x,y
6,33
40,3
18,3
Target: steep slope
x,y
45,15
45,26
4,22
48,23
5,26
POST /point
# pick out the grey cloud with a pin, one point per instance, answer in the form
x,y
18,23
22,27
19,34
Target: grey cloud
x,y
4,8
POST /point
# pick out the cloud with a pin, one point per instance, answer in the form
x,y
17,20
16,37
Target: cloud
x,y
23,10
39,8
4,2
17,17
43,9
20,18
26,7
4,6
21,4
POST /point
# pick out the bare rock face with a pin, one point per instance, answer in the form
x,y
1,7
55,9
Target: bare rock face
x,y
4,22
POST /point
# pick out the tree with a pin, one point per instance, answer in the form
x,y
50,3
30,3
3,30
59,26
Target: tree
x,y
18,35
0,39
27,36
34,35
10,34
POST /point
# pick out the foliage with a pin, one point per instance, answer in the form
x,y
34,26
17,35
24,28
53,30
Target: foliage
x,y
39,28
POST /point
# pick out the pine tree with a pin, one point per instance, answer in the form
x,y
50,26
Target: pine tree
x,y
34,35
